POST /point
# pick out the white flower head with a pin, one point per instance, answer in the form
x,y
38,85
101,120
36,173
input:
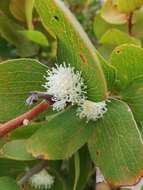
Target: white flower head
x,y
65,85
92,110
42,180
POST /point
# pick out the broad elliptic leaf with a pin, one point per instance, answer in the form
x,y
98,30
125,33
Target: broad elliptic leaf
x,y
128,6
74,47
15,150
127,59
111,14
133,95
18,77
116,145
116,37
60,137
7,183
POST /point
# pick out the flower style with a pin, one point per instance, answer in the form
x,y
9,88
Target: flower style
x,y
65,85
92,110
42,180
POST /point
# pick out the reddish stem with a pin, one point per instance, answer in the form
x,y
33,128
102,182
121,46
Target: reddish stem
x,y
130,23
15,123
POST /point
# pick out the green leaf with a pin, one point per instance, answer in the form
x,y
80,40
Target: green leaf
x,y
61,137
35,36
86,168
127,59
77,169
116,37
15,150
17,9
23,132
74,46
128,5
29,4
100,26
22,10
8,183
109,72
111,14
13,168
18,77
133,95
116,145
9,30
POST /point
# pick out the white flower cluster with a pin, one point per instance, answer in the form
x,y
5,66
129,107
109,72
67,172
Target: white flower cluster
x,y
42,180
92,110
67,86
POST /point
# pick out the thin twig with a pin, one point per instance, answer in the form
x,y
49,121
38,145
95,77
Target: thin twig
x,y
36,169
130,23
15,123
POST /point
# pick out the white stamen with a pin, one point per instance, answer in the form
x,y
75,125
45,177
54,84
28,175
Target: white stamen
x,y
65,85
92,110
42,180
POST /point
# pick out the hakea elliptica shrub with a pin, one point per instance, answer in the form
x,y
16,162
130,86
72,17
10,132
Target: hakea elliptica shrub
x,y
92,107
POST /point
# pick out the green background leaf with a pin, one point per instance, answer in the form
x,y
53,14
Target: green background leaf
x,y
133,95
116,37
127,59
128,6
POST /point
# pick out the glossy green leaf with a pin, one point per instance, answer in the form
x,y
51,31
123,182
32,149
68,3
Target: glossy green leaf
x,y
35,36
18,77
111,14
116,145
128,6
8,183
74,46
15,150
116,37
9,30
127,59
60,137
133,95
